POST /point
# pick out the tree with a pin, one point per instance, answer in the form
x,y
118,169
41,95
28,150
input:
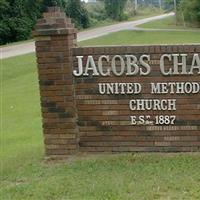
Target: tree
x,y
17,18
76,10
115,9
48,3
191,11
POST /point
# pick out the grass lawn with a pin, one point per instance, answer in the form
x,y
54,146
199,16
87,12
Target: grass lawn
x,y
166,23
24,175
145,37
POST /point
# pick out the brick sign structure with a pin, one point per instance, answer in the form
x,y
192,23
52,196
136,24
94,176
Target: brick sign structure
x,y
115,98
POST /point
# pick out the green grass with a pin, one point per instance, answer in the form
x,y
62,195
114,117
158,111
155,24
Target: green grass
x,y
166,23
145,37
21,140
121,177
24,175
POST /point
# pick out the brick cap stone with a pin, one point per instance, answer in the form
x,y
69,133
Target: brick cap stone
x,y
54,22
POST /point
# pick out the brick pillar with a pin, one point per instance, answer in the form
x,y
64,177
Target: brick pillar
x,y
55,36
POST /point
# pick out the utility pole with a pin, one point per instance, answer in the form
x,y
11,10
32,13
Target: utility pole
x,y
136,5
175,5
160,4
175,9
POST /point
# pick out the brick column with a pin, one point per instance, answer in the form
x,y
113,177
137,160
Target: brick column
x,y
55,36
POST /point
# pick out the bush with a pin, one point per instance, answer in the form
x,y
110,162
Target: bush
x,y
115,9
18,17
96,11
130,8
15,29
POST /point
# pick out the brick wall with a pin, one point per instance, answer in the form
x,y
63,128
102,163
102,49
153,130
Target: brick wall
x,y
55,36
104,120
77,118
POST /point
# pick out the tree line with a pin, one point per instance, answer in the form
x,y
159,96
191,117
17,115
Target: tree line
x,y
18,17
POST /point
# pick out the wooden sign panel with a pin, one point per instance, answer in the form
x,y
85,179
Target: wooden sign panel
x,y
137,98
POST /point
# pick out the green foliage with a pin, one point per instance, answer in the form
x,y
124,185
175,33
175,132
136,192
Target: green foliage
x,y
97,14
130,8
115,9
3,7
96,11
48,3
187,11
15,29
18,17
191,11
76,10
